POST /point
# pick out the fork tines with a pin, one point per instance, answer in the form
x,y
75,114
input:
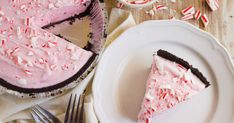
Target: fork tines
x,y
41,115
75,110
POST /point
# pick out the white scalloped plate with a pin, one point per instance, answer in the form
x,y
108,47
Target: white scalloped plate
x,y
120,78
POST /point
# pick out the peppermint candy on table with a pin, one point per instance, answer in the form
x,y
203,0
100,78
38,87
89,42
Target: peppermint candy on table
x,y
188,10
205,20
197,15
140,2
213,4
187,17
161,7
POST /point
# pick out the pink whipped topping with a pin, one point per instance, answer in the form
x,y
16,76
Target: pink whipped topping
x,y
168,84
31,57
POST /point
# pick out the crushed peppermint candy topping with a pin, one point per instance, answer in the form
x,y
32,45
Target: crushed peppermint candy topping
x,y
19,60
28,72
51,44
188,10
41,61
2,42
27,21
17,49
53,67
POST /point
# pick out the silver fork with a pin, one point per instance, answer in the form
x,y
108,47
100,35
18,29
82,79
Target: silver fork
x,y
40,115
75,110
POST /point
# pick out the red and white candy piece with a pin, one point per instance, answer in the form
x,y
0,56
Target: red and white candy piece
x,y
27,21
19,60
187,17
161,7
188,10
28,72
197,15
139,2
53,67
205,20
2,42
213,4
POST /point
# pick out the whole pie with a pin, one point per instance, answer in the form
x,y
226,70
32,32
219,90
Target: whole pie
x,y
33,59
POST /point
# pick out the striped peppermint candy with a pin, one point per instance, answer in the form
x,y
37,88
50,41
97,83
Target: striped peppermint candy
x,y
205,20
187,17
140,2
188,10
161,7
197,15
213,4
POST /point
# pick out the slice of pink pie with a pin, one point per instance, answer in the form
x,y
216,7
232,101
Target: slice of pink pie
x,y
171,81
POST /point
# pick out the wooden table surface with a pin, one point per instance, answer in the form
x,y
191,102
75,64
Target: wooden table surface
x,y
221,21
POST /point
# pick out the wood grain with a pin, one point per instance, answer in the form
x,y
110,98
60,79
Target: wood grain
x,y
221,21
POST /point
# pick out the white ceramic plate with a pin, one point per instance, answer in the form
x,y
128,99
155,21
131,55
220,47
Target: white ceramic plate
x,y
121,75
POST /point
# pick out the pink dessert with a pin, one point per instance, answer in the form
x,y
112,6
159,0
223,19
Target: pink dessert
x,y
31,57
171,81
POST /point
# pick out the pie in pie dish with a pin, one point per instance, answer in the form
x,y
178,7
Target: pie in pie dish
x,y
171,81
34,60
